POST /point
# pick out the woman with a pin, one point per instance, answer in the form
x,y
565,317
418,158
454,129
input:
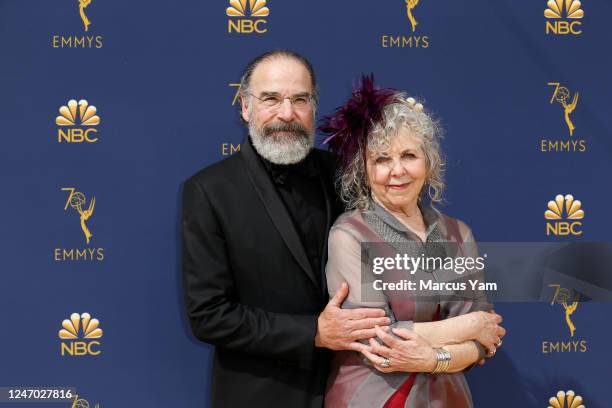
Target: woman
x,y
390,164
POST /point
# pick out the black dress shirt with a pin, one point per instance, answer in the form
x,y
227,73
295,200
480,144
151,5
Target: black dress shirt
x,y
299,186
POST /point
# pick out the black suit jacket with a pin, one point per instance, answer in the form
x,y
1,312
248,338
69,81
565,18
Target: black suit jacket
x,y
250,289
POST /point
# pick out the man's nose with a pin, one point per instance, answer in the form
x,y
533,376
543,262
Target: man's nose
x,y
285,110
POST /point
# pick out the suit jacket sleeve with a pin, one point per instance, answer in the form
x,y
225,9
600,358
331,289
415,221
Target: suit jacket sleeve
x,y
215,312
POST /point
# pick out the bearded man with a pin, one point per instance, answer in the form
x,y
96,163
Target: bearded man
x,y
255,231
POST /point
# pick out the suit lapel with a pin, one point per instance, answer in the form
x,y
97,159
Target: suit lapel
x,y
328,221
275,208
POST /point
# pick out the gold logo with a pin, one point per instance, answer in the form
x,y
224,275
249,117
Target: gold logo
x,y
81,403
236,94
83,324
80,118
563,297
556,7
86,114
393,40
564,208
567,399
82,40
563,17
80,327
562,95
78,201
410,5
567,203
82,5
238,8
249,15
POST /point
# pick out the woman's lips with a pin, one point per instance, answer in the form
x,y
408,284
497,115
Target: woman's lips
x,y
397,186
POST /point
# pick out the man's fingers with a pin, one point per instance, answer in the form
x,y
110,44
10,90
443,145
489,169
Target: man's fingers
x,y
340,295
357,346
363,334
370,323
365,313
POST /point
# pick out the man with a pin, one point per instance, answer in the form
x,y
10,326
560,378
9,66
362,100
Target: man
x,y
255,242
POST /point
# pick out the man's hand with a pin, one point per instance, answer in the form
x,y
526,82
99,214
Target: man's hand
x,y
340,329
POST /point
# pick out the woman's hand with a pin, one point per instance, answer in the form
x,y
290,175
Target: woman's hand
x,y
489,332
409,353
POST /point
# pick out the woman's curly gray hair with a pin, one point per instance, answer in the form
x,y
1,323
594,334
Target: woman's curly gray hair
x,y
353,183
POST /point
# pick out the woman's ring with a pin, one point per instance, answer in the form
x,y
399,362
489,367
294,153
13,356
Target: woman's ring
x,y
386,363
499,344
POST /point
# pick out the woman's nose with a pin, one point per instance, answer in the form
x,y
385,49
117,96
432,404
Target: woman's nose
x,y
397,168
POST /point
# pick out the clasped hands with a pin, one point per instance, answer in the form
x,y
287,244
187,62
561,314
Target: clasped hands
x,y
342,329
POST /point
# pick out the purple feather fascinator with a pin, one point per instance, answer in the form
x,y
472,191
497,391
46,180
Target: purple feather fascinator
x,y
348,128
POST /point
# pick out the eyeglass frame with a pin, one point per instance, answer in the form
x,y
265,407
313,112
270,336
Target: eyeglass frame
x,y
309,96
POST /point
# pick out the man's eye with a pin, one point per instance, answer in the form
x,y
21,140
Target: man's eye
x,y
270,100
300,100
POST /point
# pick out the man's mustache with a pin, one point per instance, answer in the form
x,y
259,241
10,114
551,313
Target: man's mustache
x,y
292,127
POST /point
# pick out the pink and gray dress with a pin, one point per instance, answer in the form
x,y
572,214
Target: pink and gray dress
x,y
353,381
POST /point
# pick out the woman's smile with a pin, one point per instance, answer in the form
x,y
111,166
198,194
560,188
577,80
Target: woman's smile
x,y
398,186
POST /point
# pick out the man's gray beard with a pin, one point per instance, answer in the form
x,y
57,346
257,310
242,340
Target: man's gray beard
x,y
290,147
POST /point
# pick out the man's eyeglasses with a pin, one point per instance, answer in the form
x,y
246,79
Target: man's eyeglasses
x,y
274,101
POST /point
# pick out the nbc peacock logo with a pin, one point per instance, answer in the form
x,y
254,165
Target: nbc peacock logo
x,y
563,17
77,122
247,16
565,399
564,214
80,335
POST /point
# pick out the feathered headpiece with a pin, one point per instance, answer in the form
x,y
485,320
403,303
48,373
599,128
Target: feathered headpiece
x,y
349,126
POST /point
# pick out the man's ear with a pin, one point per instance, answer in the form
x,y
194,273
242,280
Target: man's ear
x,y
245,109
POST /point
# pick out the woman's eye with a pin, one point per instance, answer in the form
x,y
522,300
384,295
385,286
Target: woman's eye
x,y
409,155
380,160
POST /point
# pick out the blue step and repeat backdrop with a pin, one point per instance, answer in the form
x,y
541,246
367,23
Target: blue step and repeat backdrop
x,y
106,107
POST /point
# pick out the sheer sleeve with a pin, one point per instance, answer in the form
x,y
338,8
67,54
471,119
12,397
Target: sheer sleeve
x,y
344,265
480,299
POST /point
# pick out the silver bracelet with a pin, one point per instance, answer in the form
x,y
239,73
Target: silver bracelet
x,y
443,358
